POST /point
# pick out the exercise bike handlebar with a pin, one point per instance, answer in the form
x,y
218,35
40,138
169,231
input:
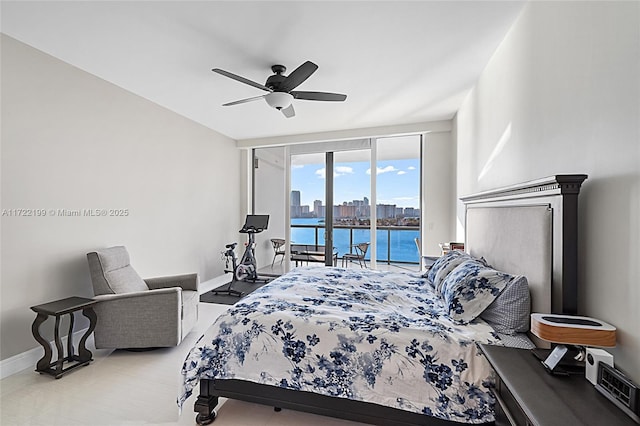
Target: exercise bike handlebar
x,y
250,230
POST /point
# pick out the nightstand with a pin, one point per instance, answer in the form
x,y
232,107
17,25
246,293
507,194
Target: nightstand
x,y
528,395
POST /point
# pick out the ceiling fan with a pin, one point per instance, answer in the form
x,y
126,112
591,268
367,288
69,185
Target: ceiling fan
x,y
280,88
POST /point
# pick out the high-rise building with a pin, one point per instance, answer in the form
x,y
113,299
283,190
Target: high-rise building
x,y
295,198
411,212
386,211
295,204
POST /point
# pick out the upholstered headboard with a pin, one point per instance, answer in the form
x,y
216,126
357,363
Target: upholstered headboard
x,y
531,229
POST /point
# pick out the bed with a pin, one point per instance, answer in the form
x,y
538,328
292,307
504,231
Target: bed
x,y
391,348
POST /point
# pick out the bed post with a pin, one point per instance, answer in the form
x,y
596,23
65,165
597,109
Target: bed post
x,y
206,403
570,188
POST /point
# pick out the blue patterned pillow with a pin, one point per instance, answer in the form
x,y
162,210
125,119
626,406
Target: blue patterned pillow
x,y
443,266
470,288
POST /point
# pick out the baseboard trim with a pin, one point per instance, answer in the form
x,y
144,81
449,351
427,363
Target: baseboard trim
x,y
28,359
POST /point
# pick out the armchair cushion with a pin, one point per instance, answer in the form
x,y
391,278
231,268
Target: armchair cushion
x,y
125,280
118,276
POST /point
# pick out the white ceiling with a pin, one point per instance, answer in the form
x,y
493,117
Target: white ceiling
x,y
398,62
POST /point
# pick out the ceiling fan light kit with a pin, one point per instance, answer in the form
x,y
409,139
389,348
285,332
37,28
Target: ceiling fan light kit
x,y
280,88
278,100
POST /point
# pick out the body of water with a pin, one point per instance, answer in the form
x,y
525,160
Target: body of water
x,y
398,244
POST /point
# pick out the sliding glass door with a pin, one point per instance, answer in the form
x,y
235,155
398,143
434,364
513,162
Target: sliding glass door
x,y
341,194
330,201
398,189
268,197
308,207
352,206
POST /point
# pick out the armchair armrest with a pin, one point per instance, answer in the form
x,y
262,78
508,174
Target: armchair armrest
x,y
184,281
150,294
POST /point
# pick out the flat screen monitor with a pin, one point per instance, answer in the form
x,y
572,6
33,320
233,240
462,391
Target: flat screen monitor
x,y
259,222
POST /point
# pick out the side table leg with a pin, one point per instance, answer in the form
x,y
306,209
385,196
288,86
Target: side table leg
x,y
44,362
85,354
70,351
59,347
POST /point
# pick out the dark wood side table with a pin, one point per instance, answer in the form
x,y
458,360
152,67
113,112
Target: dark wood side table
x,y
528,395
59,308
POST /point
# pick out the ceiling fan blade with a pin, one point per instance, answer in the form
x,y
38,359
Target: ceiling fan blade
x,y
288,111
241,79
319,96
242,101
298,76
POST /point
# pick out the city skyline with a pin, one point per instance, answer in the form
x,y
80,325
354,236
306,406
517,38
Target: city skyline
x,y
360,209
398,182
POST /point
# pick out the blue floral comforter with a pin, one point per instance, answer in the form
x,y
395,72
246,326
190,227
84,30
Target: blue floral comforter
x,y
378,337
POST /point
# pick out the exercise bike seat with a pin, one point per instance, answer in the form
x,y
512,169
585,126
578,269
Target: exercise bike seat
x,y
231,246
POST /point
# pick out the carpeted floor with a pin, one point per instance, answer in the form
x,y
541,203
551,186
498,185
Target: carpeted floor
x,y
225,299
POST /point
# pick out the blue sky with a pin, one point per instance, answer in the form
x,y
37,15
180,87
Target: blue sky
x,y
398,182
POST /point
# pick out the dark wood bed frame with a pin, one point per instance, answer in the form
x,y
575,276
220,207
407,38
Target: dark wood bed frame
x,y
559,193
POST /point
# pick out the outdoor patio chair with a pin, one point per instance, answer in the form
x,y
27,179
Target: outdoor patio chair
x,y
360,251
278,249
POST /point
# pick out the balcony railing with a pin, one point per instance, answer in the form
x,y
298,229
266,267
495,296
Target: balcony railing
x,y
395,244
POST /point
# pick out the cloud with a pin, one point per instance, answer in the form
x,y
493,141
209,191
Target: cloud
x,y
297,166
402,172
343,170
339,171
386,170
380,170
411,168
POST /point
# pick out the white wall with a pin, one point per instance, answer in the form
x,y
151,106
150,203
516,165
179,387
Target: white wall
x,y
562,95
438,189
73,141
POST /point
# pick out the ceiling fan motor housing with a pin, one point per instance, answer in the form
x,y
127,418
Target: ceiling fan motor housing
x,y
274,81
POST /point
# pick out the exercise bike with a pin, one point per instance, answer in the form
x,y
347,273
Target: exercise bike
x,y
247,269
229,255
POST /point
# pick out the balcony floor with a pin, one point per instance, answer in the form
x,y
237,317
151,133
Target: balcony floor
x,y
278,267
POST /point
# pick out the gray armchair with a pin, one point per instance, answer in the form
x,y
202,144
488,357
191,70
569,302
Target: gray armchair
x,y
137,313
